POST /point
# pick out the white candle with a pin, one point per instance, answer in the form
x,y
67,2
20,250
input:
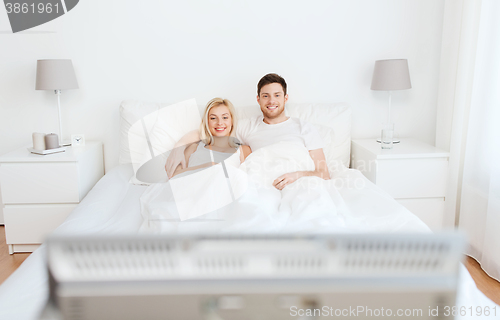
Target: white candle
x,y
51,141
38,141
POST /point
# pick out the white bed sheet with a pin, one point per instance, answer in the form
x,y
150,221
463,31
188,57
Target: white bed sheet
x,y
113,207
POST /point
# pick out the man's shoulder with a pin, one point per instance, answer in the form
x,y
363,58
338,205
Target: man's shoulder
x,y
252,121
256,118
303,123
246,126
298,120
306,127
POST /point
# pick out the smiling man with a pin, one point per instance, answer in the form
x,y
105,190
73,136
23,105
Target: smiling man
x,y
272,98
273,126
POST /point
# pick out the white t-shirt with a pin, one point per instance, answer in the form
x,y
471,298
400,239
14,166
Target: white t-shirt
x,y
255,133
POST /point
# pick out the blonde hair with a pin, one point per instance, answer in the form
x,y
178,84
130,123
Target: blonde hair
x,y
205,134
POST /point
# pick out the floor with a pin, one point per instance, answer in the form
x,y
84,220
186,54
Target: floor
x,y
490,287
8,262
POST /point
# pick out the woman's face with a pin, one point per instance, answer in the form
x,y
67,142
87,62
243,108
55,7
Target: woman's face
x,y
220,122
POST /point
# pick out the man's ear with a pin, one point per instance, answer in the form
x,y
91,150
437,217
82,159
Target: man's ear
x,y
286,97
258,99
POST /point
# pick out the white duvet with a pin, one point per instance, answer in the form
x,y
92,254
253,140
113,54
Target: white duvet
x,y
246,201
113,207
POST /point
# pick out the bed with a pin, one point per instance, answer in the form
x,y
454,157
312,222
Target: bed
x,y
113,206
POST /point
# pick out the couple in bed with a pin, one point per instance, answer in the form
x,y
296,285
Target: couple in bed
x,y
219,126
275,151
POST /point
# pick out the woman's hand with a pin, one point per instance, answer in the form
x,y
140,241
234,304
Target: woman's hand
x,y
286,179
175,158
201,166
178,156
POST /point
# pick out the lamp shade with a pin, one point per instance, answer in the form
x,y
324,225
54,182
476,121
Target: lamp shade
x,y
389,75
55,74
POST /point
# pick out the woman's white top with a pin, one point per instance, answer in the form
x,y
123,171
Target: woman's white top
x,y
204,155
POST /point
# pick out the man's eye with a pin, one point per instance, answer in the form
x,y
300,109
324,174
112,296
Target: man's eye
x,y
226,117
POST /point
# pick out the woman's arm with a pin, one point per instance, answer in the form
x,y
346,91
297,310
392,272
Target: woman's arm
x,y
187,154
244,152
181,170
177,155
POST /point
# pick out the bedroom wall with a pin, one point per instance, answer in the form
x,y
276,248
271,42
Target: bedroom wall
x,y
168,51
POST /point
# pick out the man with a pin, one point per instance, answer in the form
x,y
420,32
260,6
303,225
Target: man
x,y
272,127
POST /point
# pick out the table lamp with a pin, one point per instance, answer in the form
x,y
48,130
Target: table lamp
x,y
57,75
390,75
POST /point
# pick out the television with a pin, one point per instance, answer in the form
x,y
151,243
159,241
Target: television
x,y
214,277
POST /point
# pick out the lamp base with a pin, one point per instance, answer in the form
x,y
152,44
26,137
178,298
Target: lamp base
x,y
393,141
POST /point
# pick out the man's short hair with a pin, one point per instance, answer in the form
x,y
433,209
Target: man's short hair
x,y
271,78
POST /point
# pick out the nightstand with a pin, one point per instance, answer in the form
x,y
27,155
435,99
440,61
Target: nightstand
x,y
40,191
412,172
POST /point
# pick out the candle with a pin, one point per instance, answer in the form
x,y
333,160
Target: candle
x,y
38,141
51,141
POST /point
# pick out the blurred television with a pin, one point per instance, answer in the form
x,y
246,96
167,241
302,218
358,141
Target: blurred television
x,y
358,276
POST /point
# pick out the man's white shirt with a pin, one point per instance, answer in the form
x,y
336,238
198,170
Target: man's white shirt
x,y
255,133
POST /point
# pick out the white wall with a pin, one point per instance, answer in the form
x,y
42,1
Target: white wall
x,y
169,51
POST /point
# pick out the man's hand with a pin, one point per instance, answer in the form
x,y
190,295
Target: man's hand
x,y
286,179
321,171
175,158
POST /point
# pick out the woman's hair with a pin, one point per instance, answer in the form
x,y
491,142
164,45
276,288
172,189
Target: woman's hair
x,y
205,134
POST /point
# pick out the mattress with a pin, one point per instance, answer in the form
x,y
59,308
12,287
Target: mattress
x,y
113,207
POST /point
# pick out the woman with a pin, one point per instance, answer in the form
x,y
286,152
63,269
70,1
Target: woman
x,y
212,201
218,142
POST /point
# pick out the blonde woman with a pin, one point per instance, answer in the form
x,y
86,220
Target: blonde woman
x,y
218,142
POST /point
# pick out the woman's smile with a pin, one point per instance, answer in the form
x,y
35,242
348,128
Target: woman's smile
x,y
219,121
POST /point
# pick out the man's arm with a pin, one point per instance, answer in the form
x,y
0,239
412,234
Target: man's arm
x,y
320,170
320,167
245,152
177,156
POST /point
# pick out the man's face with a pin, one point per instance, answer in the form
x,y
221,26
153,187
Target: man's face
x,y
272,101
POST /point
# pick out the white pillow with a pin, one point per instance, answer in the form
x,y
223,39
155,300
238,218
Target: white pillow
x,y
333,121
149,130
